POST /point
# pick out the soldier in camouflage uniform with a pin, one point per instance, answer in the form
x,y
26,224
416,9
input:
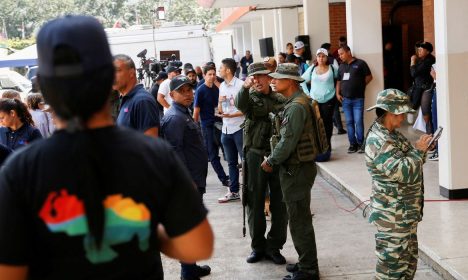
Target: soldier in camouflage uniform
x,y
297,170
256,100
396,168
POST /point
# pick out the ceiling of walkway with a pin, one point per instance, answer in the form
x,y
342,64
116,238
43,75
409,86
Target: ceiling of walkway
x,y
242,3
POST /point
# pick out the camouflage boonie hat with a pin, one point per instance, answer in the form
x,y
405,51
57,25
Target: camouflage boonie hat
x,y
287,71
393,101
257,68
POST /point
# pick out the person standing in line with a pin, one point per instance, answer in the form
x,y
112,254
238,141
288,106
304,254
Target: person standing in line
x,y
245,62
289,48
353,77
98,201
138,109
297,169
256,101
337,122
16,124
299,50
164,97
396,202
231,136
322,78
205,103
158,80
237,59
184,136
42,120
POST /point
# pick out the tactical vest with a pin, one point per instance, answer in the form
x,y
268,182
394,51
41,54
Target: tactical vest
x,y
313,140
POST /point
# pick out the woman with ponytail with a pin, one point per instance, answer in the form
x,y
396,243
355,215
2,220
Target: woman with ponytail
x,y
93,201
17,124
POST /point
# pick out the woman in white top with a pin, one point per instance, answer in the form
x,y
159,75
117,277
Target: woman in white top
x,y
322,77
42,120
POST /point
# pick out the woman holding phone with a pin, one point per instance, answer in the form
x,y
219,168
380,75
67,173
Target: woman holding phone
x,y
396,202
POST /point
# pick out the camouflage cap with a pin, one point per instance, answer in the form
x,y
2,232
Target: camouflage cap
x,y
257,68
287,71
393,101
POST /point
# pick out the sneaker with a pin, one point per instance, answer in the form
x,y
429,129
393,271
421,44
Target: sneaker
x,y
342,131
230,196
434,157
362,149
352,149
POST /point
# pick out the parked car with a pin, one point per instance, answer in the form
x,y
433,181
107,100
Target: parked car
x,y
10,79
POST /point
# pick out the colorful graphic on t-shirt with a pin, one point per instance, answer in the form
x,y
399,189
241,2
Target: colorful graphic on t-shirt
x,y
125,219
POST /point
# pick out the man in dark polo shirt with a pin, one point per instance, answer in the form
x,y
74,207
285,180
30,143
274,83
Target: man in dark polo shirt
x,y
184,135
138,108
353,76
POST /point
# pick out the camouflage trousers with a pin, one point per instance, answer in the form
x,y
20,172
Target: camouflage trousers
x,y
397,252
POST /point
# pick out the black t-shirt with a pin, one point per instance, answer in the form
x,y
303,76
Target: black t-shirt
x,y
353,78
42,213
245,62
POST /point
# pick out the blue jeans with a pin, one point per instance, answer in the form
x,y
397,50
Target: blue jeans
x,y
213,151
233,147
354,113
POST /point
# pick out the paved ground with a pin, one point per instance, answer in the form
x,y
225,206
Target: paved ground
x,y
345,240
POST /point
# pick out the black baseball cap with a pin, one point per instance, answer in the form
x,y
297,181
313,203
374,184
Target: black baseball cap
x,y
171,69
161,76
189,70
82,33
178,82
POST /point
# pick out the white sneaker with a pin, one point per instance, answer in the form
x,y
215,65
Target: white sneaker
x,y
230,196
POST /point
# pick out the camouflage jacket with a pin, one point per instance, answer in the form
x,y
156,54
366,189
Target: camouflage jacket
x,y
256,107
396,168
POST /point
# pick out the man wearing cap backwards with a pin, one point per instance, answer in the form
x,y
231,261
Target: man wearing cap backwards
x,y
297,170
396,168
138,109
184,135
164,97
84,211
256,100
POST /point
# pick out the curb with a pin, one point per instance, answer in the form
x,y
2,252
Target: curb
x,y
424,254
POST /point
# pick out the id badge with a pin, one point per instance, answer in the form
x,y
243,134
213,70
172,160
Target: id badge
x,y
345,76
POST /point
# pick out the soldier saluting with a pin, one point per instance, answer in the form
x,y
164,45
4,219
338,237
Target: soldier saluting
x,y
297,169
256,101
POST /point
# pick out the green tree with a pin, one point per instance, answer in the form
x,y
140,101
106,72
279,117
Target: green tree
x,y
189,12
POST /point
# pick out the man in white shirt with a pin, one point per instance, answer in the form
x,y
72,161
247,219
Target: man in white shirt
x,y
164,98
237,59
231,136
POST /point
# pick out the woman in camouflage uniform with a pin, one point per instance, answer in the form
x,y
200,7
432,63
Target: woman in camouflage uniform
x,y
396,168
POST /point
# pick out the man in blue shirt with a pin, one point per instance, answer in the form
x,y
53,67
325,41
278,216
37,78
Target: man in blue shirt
x,y
206,99
138,108
184,135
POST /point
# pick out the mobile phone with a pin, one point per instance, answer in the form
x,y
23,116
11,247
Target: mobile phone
x,y
435,136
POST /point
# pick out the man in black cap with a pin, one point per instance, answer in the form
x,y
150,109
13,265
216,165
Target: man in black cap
x,y
137,109
164,98
94,200
184,135
192,76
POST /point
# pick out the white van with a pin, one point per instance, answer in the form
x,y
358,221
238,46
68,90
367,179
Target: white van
x,y
10,79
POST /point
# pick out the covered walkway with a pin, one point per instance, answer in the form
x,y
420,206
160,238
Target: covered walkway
x,y
345,240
